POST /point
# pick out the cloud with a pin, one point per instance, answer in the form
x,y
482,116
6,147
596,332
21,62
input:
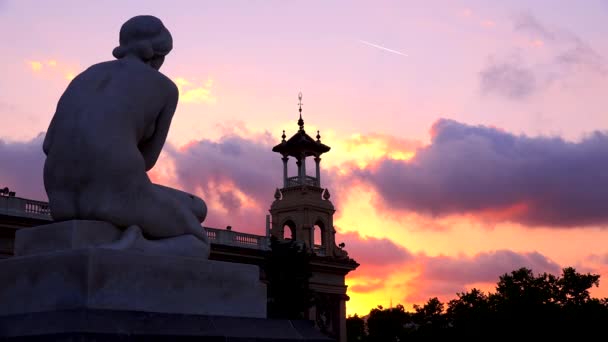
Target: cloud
x,y
379,259
190,92
471,16
36,66
237,175
497,177
367,149
598,258
574,51
526,22
444,276
53,68
21,167
484,267
386,267
516,78
509,78
375,252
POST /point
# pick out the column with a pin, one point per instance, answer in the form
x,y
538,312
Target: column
x,y
299,164
302,168
342,323
317,162
285,158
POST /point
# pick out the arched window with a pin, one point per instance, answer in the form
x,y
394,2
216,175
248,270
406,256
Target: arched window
x,y
289,229
319,237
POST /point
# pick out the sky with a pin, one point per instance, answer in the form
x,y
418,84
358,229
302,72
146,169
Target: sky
x,y
468,138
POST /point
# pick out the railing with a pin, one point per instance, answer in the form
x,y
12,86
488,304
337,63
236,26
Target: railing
x,y
232,238
21,207
308,180
17,206
319,250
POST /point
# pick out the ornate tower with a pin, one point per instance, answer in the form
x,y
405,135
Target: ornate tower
x,y
302,210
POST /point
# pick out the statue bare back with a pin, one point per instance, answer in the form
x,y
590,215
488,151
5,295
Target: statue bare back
x,y
108,130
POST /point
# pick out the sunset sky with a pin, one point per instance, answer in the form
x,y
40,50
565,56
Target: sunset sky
x,y
469,138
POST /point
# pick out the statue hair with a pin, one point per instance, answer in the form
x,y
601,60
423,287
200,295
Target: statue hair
x,y
143,36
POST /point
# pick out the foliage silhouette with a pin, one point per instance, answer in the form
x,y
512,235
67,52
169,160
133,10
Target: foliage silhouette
x,y
355,326
288,271
524,305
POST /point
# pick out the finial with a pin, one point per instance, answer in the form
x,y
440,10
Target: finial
x,y
283,136
318,136
300,121
277,194
326,194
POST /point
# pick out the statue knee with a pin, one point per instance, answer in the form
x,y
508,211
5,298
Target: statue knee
x,y
199,208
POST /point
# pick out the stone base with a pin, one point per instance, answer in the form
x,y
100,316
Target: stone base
x,y
122,280
103,325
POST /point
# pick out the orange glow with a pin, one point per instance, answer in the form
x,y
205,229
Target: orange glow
x,y
365,150
190,92
502,214
488,23
35,65
537,43
397,284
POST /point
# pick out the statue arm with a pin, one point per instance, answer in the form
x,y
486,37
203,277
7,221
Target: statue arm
x,y
151,148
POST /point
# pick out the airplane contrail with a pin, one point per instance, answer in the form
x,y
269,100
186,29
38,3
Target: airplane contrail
x,y
382,48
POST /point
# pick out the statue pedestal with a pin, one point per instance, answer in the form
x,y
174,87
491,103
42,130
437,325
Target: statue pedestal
x,y
106,325
82,280
99,278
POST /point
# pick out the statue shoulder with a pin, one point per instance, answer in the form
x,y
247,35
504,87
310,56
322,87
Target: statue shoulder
x,y
169,86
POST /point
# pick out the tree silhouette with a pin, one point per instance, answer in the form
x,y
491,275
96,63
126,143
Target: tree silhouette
x,y
288,270
355,326
387,325
524,306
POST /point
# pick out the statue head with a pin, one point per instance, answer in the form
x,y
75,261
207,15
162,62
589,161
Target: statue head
x,y
145,37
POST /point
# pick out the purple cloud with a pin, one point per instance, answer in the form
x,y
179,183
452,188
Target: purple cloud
x,y
476,169
444,276
484,267
221,170
510,78
515,79
375,252
21,165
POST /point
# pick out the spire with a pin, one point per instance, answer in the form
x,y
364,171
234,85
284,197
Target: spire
x,y
300,121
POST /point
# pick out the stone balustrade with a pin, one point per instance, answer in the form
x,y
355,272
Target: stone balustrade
x,y
232,238
308,180
22,207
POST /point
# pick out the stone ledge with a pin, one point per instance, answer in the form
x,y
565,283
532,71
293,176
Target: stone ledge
x,y
100,278
106,325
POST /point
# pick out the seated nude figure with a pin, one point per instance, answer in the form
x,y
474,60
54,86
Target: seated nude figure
x,y
108,130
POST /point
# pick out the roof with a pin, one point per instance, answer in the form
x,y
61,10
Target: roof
x,y
301,143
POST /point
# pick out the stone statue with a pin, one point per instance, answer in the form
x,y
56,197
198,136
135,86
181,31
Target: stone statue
x,y
108,130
